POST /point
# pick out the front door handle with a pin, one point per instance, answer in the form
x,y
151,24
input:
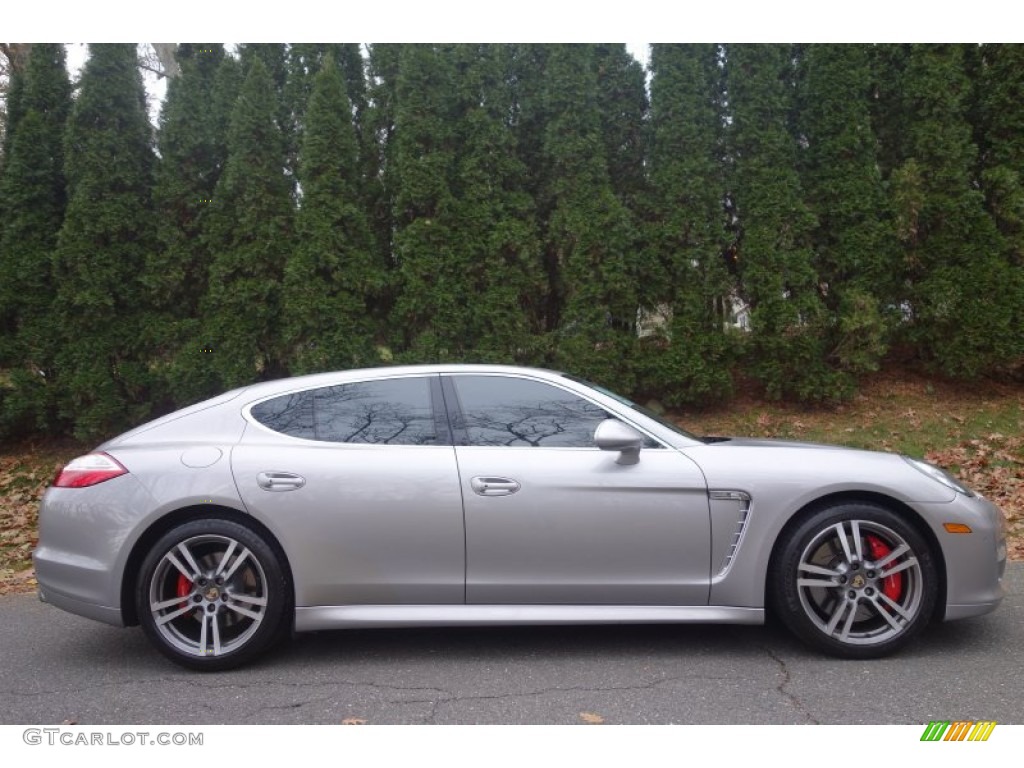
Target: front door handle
x,y
494,486
279,481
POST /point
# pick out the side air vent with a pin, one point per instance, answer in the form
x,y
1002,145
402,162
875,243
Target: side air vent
x,y
730,511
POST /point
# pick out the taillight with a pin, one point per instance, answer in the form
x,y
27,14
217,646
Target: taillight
x,y
89,470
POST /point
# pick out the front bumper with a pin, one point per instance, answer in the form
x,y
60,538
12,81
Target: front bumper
x,y
976,561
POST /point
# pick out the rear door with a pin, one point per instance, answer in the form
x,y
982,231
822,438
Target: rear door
x,y
359,483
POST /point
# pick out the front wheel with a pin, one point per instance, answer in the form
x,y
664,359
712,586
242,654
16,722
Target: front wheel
x,y
212,595
854,580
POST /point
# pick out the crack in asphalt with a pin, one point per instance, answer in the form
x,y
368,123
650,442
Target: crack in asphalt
x,y
781,687
437,697
451,697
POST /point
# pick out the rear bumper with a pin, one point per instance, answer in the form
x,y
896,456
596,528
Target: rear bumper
x,y
105,613
82,541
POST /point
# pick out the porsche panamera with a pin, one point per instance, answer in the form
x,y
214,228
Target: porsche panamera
x,y
453,495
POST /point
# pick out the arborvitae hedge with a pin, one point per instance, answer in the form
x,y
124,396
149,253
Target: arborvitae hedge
x,y
34,195
960,290
334,273
520,203
249,237
686,359
101,369
854,243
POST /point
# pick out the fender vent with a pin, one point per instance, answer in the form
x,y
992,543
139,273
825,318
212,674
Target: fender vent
x,y
738,504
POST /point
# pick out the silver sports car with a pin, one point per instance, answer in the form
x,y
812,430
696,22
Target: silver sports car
x,y
472,494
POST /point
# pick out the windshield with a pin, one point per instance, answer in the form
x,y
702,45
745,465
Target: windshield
x,y
636,407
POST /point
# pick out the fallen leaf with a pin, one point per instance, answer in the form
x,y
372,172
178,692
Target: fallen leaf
x,y
353,721
591,717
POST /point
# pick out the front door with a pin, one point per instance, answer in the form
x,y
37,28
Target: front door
x,y
552,519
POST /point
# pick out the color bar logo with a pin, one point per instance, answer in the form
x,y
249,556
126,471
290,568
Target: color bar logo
x,y
958,730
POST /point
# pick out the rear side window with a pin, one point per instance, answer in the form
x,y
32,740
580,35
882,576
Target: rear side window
x,y
388,412
385,412
289,414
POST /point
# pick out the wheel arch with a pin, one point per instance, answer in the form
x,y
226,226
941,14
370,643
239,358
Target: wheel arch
x,y
159,527
879,499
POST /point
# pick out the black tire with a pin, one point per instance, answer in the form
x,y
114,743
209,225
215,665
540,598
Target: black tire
x,y
212,595
849,595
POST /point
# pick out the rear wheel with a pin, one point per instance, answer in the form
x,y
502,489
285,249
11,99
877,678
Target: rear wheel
x,y
212,595
855,580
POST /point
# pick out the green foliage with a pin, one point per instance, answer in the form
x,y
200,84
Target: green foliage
x,y
32,189
249,236
961,290
464,243
855,246
33,196
101,371
686,360
334,272
590,234
307,209
192,143
774,249
1000,128
622,103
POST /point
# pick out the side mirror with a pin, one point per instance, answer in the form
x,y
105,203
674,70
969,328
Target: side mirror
x,y
613,435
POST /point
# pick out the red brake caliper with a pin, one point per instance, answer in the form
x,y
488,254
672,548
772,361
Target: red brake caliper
x,y
892,586
184,587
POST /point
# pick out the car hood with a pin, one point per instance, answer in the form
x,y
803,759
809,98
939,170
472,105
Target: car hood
x,y
789,470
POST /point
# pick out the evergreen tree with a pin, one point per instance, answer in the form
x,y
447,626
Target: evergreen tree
x,y
334,271
466,244
380,180
305,60
1000,90
689,285
961,291
774,255
274,57
526,77
248,233
887,63
1000,95
32,188
192,144
423,158
227,84
622,101
13,112
107,232
855,245
590,235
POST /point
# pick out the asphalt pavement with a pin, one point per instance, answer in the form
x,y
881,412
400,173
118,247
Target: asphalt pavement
x,y
55,667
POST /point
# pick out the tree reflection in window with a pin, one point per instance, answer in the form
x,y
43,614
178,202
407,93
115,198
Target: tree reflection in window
x,y
387,412
289,414
508,411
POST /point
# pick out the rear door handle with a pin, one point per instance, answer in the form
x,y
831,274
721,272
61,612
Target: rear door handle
x,y
279,481
494,486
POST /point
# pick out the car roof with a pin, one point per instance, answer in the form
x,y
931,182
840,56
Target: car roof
x,y
292,383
